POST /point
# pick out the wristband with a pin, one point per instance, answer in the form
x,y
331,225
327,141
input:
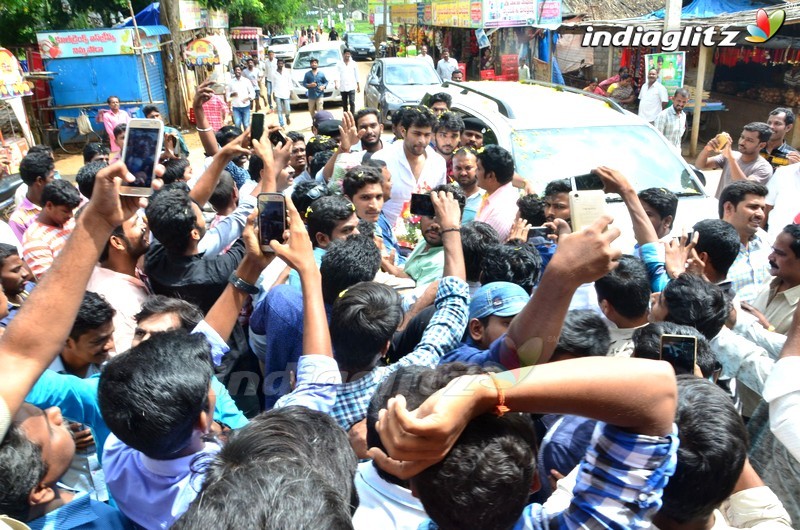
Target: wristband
x,y
454,229
500,409
204,130
242,285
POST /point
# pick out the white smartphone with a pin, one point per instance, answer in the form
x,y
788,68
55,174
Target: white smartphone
x,y
142,148
585,206
271,219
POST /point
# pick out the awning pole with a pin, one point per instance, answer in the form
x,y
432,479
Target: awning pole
x,y
138,49
705,53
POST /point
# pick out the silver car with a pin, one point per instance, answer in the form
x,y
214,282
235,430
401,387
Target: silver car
x,y
284,47
329,55
393,82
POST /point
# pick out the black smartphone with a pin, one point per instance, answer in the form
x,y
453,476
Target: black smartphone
x,y
539,231
277,137
140,152
271,219
680,351
590,181
257,126
422,204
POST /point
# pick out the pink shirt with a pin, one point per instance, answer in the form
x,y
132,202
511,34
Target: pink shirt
x,y
126,295
500,209
111,120
24,215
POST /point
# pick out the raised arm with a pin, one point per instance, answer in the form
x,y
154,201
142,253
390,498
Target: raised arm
x,y
204,130
615,182
702,161
207,182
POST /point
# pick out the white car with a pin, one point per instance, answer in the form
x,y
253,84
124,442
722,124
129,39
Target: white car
x,y
329,55
284,47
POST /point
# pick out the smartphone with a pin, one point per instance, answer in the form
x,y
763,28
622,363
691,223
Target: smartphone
x,y
590,181
586,207
271,219
216,86
421,204
142,148
277,137
539,232
257,126
680,351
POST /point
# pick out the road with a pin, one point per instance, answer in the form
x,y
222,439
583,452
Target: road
x,y
68,165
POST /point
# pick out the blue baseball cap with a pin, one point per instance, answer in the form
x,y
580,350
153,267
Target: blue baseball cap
x,y
502,299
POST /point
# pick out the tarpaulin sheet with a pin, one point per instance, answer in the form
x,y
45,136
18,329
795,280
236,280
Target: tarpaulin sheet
x,y
712,8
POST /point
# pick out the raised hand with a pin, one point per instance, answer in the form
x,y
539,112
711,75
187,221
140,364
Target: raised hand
x,y
587,255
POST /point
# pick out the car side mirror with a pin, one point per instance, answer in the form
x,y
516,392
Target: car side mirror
x,y
374,82
700,175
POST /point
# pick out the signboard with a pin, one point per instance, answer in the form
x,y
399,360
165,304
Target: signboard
x,y
457,13
91,43
671,69
217,18
376,7
12,84
201,52
403,14
191,14
510,13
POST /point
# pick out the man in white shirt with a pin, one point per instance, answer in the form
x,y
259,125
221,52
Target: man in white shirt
x,y
782,205
348,82
413,163
423,52
270,66
281,89
446,65
254,74
653,97
240,95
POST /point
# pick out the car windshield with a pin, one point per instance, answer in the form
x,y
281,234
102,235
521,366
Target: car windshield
x,y
361,40
542,155
281,40
411,74
325,57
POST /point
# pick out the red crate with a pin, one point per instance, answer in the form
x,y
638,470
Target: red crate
x,y
487,75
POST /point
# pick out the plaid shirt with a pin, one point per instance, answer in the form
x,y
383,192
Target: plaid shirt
x,y
442,335
620,483
42,243
671,125
215,110
750,272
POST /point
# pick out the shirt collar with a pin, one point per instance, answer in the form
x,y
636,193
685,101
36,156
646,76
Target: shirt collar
x,y
177,466
74,514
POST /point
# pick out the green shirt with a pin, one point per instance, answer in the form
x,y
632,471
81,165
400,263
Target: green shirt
x,y
425,264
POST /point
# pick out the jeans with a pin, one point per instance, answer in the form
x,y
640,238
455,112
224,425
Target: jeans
x,y
269,95
241,117
349,101
283,108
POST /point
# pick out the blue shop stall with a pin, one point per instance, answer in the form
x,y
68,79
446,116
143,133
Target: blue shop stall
x,y
90,65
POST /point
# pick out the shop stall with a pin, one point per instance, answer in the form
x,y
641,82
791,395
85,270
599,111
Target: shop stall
x,y
249,42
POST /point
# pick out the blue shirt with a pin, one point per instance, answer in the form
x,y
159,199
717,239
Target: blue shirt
x,y
239,174
654,262
294,278
83,513
13,309
389,240
319,90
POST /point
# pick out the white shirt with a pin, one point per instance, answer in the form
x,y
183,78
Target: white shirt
x,y
782,392
244,90
784,191
446,68
403,182
126,294
429,58
382,504
348,76
270,67
650,99
282,84
253,75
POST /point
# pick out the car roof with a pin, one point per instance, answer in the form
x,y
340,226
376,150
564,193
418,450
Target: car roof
x,y
326,45
396,60
279,36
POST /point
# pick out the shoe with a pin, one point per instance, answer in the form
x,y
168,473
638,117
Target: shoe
x,y
288,120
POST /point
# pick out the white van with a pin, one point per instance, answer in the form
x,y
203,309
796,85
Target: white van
x,y
329,54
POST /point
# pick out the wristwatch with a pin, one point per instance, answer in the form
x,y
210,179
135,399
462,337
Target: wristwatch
x,y
242,285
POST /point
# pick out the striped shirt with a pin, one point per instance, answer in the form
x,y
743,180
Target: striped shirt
x,y
750,271
24,215
42,243
672,125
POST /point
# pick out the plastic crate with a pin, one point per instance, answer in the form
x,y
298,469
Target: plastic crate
x,y
487,75
509,59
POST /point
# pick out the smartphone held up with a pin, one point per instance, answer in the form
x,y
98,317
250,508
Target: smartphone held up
x,y
271,219
141,152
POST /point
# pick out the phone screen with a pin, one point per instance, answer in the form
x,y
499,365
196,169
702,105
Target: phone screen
x,y
589,181
271,219
421,204
680,351
538,233
142,147
257,126
276,137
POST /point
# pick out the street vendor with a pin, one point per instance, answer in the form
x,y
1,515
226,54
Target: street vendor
x,y
112,117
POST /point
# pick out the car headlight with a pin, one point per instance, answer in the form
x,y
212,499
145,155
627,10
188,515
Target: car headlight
x,y
297,84
391,98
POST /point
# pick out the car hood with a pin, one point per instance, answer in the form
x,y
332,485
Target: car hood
x,y
282,47
412,92
331,74
361,46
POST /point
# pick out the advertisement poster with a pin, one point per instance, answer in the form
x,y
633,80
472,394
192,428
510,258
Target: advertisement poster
x,y
90,43
510,13
671,68
191,14
12,84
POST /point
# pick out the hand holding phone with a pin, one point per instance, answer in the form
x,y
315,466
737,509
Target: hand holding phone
x,y
277,137
680,351
421,204
257,126
140,152
271,219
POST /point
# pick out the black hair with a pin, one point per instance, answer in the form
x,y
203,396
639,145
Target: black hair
x,y
623,77
41,148
61,193
366,111
119,129
87,174
35,165
174,170
171,219
458,194
418,116
789,119
531,209
397,116
713,443
188,314
476,238
735,193
221,196
317,144
662,200
326,213
117,232
626,288
22,468
359,176
227,134
793,230
554,187
6,251
584,334
319,160
621,69
647,345
94,311
374,162
366,227
764,131
449,121
363,320
254,168
173,369
150,108
306,193
693,301
516,263
441,96
499,161
296,136
720,240
346,263
93,149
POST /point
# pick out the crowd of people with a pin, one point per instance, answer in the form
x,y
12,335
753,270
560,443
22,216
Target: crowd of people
x,y
484,367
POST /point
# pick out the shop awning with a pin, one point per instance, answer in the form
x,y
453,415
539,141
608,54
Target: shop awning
x,y
245,33
154,31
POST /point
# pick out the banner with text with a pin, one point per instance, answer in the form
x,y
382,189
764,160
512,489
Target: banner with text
x,y
91,43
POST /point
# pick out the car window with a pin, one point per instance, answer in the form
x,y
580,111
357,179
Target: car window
x,y
542,155
360,40
411,74
326,58
281,40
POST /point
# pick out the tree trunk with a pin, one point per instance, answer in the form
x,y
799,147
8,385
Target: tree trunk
x,y
172,59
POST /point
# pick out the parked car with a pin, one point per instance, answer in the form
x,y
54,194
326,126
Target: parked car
x,y
329,55
360,45
397,81
284,47
556,132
